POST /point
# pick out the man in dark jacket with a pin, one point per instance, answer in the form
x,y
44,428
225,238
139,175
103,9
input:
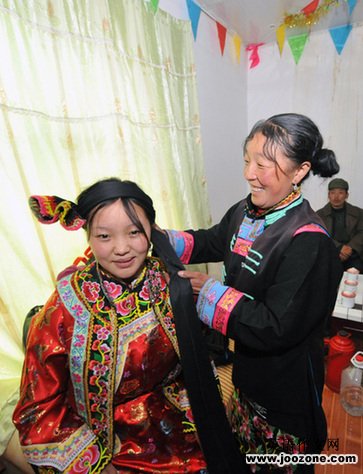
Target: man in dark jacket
x,y
344,222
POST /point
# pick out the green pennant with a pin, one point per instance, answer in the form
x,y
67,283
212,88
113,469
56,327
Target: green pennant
x,y
154,5
297,45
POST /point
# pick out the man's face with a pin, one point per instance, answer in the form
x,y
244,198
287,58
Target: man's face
x,y
337,197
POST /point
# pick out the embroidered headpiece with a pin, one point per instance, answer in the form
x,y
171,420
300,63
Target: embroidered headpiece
x,y
50,209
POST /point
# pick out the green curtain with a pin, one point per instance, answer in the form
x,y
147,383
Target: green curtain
x,y
88,89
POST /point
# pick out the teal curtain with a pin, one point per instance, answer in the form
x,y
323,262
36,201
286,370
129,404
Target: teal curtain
x,y
88,89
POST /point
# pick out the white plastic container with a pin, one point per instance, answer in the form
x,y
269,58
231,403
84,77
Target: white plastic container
x,y
351,387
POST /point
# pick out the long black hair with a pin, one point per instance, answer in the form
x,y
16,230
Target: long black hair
x,y
298,137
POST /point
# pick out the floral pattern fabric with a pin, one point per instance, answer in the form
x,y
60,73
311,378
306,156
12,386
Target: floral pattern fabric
x,y
256,436
103,381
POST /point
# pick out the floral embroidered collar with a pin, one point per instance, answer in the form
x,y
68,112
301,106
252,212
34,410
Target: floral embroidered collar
x,y
256,213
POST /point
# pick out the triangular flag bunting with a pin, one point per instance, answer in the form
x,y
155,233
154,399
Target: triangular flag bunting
x,y
310,8
237,46
351,4
297,45
154,5
194,14
340,35
254,56
280,36
222,31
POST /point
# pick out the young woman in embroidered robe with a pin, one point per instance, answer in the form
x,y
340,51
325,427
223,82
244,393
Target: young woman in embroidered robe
x,y
101,390
280,278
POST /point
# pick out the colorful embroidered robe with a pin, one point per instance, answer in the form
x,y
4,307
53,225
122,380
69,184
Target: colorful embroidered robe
x,y
101,380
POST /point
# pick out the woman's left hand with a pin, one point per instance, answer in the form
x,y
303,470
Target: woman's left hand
x,y
197,279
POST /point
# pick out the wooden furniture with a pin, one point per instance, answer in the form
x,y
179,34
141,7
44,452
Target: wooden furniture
x,y
345,436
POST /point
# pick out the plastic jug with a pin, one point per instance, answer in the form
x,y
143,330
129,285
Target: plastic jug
x,y
341,350
351,388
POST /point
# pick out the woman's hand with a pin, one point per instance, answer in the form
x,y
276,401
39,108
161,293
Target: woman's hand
x,y
197,279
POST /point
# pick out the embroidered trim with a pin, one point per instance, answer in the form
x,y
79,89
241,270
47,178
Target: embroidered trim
x,y
215,304
206,301
178,397
248,231
224,309
60,455
183,244
311,228
99,329
279,213
78,348
257,213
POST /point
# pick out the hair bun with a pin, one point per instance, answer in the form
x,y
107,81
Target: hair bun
x,y
325,163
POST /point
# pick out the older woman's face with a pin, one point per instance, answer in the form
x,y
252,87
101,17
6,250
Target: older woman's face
x,y
117,244
268,182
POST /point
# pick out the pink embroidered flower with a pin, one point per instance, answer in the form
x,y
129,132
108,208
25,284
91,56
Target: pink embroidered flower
x,y
96,345
211,297
168,321
113,290
145,293
98,369
286,442
105,348
246,430
125,306
80,340
102,333
98,425
77,308
77,378
91,290
86,461
94,397
262,426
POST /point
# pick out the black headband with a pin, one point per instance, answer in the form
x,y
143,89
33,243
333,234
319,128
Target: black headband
x,y
107,190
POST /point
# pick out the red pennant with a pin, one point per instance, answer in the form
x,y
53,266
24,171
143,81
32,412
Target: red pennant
x,y
222,31
310,8
254,57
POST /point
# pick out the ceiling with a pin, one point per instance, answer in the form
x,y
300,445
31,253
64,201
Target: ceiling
x,y
256,21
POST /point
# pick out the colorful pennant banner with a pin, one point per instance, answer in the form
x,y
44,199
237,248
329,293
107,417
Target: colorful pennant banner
x,y
194,15
339,36
154,5
297,45
309,15
254,56
222,32
351,6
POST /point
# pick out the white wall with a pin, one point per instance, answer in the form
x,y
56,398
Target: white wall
x,y
325,86
221,83
223,104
